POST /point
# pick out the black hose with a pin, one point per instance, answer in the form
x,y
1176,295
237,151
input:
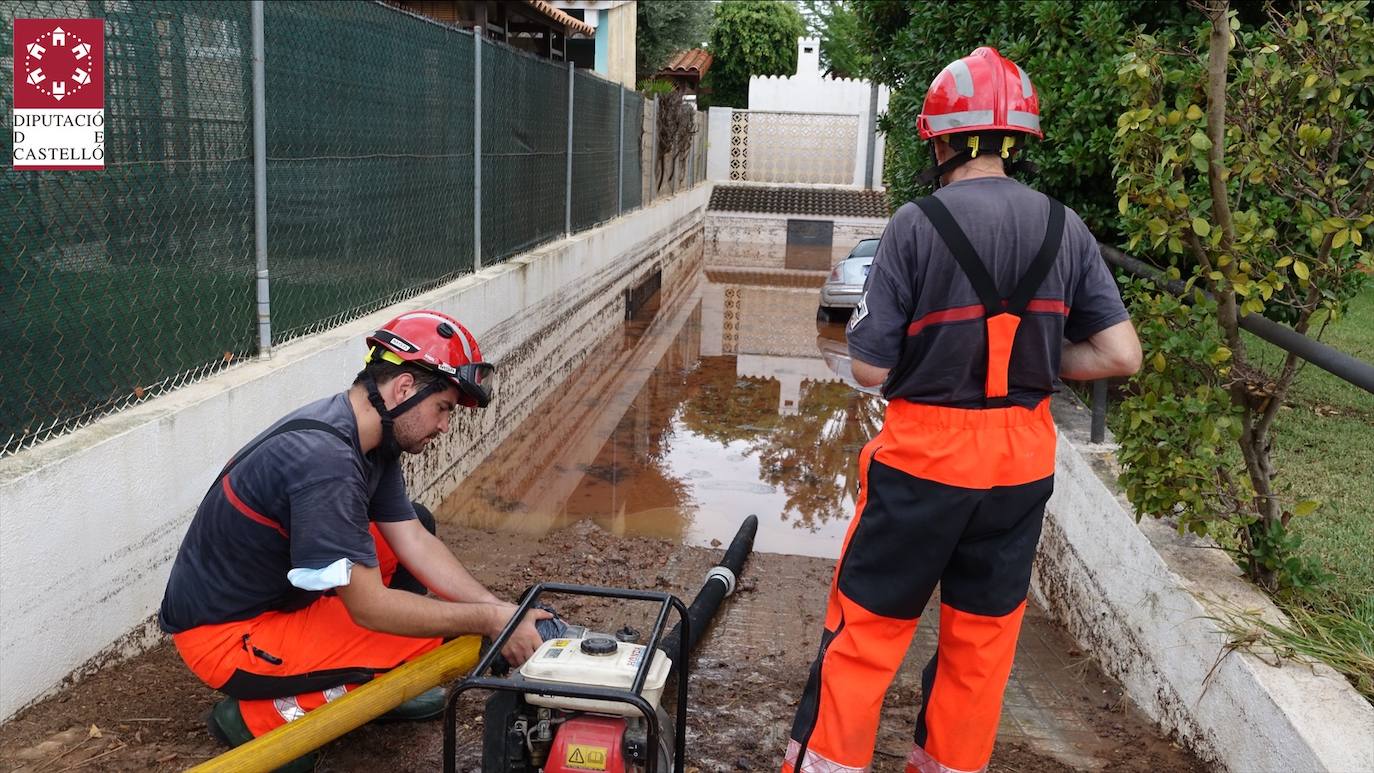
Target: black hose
x,y
720,582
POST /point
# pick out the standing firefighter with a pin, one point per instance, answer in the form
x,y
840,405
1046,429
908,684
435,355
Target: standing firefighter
x,y
305,569
967,305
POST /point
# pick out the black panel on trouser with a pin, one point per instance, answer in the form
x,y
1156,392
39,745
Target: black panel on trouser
x,y
907,531
927,684
989,572
810,706
248,686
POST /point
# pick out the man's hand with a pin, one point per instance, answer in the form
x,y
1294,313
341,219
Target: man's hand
x,y
525,640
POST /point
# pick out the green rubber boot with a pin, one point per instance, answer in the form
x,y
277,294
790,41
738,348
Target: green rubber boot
x,y
426,706
227,726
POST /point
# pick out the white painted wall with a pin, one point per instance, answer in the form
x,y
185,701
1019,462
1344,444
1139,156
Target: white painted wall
x,y
90,521
808,92
718,144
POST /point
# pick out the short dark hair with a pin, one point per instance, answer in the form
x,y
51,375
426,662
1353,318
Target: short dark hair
x,y
382,371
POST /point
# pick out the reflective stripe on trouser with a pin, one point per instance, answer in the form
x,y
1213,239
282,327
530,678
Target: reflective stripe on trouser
x,y
281,665
951,497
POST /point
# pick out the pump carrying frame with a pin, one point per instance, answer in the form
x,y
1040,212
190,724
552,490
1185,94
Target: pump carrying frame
x,y
518,684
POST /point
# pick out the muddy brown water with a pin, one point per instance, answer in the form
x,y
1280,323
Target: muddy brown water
x,y
727,401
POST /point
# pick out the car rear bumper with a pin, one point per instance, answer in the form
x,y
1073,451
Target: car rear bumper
x,y
841,296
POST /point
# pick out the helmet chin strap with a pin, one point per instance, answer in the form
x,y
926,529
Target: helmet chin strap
x,y
937,170
389,448
935,174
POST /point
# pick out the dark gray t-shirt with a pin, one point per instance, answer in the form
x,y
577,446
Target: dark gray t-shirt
x,y
918,302
303,499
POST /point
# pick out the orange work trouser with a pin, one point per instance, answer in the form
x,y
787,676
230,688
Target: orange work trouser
x,y
951,497
282,664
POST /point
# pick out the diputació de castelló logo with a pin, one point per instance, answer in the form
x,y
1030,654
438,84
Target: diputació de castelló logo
x,y
59,94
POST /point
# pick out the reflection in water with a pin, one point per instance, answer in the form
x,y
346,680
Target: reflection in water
x,y
725,403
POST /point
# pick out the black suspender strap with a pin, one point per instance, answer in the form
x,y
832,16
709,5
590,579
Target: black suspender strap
x,y
295,425
982,281
958,244
1044,261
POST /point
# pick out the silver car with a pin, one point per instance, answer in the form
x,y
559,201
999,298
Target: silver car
x,y
845,285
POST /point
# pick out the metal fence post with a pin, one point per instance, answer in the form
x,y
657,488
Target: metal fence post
x,y
872,134
1099,427
567,190
653,152
620,159
477,149
260,180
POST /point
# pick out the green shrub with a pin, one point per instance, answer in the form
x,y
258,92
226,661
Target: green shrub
x,y
1070,50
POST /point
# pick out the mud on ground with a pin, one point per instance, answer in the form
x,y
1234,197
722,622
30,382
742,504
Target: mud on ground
x,y
148,714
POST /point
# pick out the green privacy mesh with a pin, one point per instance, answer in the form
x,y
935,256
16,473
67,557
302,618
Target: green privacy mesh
x,y
120,284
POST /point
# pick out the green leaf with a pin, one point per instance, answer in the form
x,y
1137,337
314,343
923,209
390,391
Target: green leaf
x,y
1194,112
1338,241
1159,361
1201,227
1122,203
1300,269
1306,507
1200,141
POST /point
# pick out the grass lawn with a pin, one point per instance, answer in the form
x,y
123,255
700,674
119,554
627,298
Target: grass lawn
x,y
1324,450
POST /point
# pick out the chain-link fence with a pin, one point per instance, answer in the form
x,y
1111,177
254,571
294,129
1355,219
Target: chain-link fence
x,y
119,285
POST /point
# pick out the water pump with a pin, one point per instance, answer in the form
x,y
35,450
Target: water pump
x,y
590,701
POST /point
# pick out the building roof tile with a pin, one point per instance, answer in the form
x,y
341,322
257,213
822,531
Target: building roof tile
x,y
694,61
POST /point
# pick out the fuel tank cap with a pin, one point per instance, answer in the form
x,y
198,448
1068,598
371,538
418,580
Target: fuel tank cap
x,y
599,645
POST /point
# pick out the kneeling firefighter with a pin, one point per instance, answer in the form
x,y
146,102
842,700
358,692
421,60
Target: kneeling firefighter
x,y
963,322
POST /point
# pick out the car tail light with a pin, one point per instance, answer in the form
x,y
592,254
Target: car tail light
x,y
835,274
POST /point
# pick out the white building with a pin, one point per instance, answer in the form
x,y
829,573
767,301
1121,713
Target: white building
x,y
804,128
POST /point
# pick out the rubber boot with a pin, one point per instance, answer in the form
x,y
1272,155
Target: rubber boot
x,y
426,706
226,725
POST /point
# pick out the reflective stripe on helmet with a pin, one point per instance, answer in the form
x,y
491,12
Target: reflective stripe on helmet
x,y
963,77
1026,90
1027,121
947,121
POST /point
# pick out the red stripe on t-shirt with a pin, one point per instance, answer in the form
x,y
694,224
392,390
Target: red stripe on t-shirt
x,y
252,514
960,314
966,313
1045,306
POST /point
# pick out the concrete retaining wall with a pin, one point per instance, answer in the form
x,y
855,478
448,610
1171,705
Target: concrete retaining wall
x,y
1138,597
744,240
90,521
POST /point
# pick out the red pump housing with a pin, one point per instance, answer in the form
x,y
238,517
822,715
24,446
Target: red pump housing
x,y
588,742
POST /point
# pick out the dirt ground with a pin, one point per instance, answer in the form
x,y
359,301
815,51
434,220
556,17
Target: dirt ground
x,y
148,714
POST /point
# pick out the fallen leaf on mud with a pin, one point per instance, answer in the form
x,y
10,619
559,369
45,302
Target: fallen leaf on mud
x,y
94,732
167,757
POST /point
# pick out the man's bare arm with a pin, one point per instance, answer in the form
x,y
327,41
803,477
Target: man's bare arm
x,y
1111,352
376,607
432,563
868,375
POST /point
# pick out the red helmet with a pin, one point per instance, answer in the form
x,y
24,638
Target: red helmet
x,y
434,340
983,92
